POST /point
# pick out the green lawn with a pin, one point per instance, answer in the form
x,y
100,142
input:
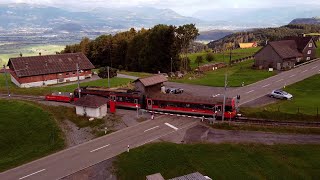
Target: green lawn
x,y
238,73
306,97
31,51
27,133
221,161
114,82
223,57
318,49
136,74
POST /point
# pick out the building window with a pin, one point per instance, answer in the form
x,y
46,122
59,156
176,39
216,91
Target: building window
x,y
308,58
310,44
309,51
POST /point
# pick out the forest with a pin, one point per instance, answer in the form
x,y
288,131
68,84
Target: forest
x,y
148,50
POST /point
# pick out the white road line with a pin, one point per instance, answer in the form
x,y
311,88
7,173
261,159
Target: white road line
x,y
173,127
314,67
266,85
189,116
304,71
279,80
151,129
178,115
183,115
249,92
216,95
100,148
32,174
292,75
171,114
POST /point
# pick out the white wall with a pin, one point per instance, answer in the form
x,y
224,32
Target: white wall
x,y
92,112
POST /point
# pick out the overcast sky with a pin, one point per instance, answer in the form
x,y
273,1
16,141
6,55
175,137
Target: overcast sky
x,y
184,7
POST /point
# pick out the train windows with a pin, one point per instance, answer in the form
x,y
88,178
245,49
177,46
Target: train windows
x,y
187,105
219,108
228,108
136,101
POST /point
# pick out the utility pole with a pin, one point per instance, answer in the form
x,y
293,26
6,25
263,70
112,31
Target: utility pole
x,y
5,74
230,56
108,77
79,90
224,96
171,65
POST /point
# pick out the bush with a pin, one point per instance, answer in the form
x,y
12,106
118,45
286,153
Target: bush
x,y
103,72
210,57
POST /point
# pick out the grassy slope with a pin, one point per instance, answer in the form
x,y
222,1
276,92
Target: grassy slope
x,y
222,161
220,57
32,51
27,133
306,95
237,74
69,88
318,49
136,74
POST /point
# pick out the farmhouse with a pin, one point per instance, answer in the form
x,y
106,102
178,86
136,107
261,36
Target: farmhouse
x,y
285,54
50,69
247,45
91,106
150,84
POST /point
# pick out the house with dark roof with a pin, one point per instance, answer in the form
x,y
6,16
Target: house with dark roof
x,y
150,84
285,54
37,71
91,106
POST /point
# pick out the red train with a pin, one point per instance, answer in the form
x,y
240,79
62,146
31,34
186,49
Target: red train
x,y
173,103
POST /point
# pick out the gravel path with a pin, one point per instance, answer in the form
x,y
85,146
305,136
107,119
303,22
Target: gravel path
x,y
202,133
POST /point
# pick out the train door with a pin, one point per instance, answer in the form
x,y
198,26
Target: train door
x,y
218,109
113,98
149,104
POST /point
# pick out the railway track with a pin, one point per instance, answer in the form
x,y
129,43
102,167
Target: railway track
x,y
23,97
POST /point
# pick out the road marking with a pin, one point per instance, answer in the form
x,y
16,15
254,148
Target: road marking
x,y
189,116
304,71
314,67
173,127
171,114
279,80
216,95
292,75
151,129
266,85
100,148
249,92
32,174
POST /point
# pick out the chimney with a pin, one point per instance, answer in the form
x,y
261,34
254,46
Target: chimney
x,y
20,54
39,53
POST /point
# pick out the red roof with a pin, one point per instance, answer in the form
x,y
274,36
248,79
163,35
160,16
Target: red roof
x,y
49,64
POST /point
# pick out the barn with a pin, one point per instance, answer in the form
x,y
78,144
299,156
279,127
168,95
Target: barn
x,y
35,71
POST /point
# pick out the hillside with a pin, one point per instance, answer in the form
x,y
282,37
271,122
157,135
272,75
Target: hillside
x,y
314,20
262,35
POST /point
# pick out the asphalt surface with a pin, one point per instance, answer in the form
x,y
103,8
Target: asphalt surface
x,y
71,160
279,81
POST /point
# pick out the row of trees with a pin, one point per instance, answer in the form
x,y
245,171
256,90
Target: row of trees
x,y
148,50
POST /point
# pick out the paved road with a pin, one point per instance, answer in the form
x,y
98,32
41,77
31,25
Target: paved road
x,y
79,157
261,88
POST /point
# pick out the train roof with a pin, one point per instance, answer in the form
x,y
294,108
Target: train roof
x,y
189,98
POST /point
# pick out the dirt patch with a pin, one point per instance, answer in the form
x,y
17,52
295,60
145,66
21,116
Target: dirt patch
x,y
202,133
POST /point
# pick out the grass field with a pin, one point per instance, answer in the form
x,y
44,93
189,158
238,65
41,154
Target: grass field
x,y
114,82
27,133
223,57
137,74
306,97
318,49
32,51
221,161
238,73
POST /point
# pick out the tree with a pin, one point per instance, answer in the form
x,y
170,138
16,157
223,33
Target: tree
x,y
210,57
103,72
199,60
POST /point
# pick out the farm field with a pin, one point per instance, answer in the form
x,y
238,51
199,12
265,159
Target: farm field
x,y
222,57
31,51
27,133
305,100
221,161
238,73
114,82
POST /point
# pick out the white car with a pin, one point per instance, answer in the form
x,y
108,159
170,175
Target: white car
x,y
280,94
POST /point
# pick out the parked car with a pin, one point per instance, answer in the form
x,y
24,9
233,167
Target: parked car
x,y
174,90
280,94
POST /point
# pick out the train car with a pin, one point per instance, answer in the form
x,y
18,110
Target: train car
x,y
124,98
191,105
60,97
